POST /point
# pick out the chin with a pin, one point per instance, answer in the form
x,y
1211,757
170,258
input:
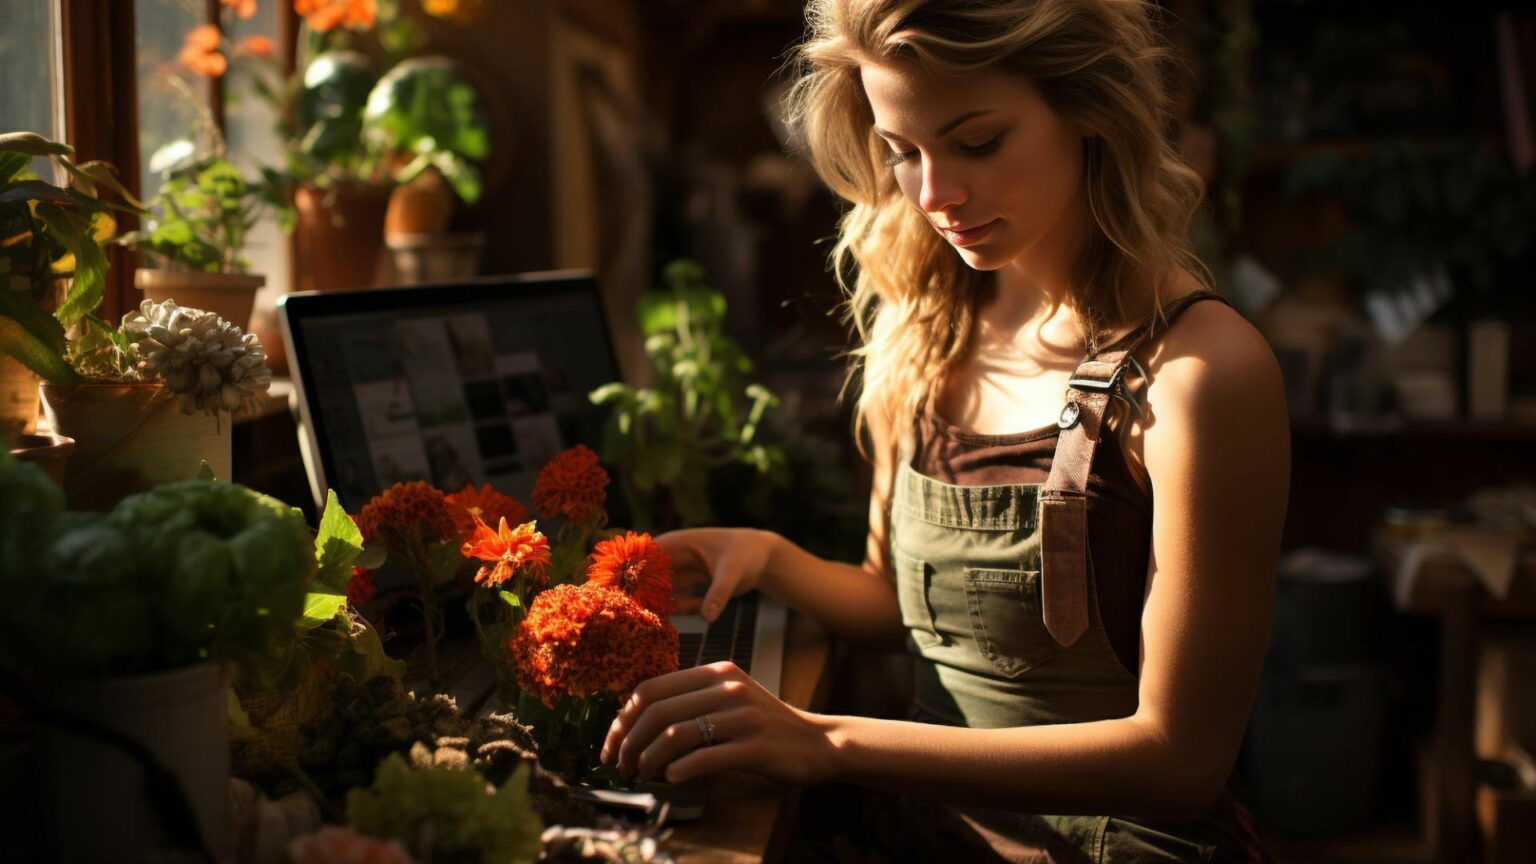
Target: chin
x,y
983,258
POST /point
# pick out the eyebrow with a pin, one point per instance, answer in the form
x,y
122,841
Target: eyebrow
x,y
946,128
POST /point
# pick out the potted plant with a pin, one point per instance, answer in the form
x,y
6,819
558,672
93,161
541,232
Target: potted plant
x,y
53,271
200,219
424,118
150,399
126,629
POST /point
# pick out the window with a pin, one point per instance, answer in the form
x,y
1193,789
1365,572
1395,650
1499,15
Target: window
x,y
30,41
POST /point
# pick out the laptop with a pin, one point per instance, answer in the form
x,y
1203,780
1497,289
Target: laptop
x,y
480,381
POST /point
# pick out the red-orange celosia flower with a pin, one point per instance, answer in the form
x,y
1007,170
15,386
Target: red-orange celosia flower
x,y
636,565
360,588
323,15
579,640
408,516
572,486
490,506
256,46
244,9
508,550
200,51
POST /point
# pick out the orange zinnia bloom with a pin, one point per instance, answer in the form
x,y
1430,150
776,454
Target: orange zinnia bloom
x,y
323,15
256,46
200,51
572,486
508,550
489,506
244,9
408,515
635,564
579,640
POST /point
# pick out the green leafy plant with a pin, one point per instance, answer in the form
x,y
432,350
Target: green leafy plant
x,y
702,414
442,813
182,573
201,217
424,114
50,236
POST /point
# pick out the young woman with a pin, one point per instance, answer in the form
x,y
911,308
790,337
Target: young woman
x,y
1089,599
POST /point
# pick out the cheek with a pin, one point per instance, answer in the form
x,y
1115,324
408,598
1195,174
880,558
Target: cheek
x,y
1035,185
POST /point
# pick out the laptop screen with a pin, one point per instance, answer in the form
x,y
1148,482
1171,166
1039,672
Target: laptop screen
x,y
450,384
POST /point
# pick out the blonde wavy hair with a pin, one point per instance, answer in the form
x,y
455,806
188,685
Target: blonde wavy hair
x,y
909,295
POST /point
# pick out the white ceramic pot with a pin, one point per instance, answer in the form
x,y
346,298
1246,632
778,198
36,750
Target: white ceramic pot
x,y
94,793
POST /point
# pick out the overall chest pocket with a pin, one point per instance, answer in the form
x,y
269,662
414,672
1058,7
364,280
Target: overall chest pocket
x,y
912,578
1007,618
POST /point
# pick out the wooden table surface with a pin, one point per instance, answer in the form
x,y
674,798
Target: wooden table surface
x,y
746,816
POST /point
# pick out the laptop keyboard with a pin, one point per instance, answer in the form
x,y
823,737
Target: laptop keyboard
x,y
729,637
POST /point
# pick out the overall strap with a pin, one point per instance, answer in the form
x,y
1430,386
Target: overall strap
x,y
1063,498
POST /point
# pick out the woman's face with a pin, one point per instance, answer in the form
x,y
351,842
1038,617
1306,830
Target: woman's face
x,y
993,168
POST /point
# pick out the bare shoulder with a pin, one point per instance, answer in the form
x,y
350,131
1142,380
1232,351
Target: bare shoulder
x,y
1213,380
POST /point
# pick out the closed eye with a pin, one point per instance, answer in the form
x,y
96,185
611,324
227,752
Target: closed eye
x,y
976,151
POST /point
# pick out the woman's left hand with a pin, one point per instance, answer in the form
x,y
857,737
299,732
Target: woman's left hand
x,y
658,733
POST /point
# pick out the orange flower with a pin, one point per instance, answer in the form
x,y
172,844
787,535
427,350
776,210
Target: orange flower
x,y
572,486
244,9
636,565
410,516
360,588
323,15
490,506
579,640
256,46
200,52
509,550
457,11
334,844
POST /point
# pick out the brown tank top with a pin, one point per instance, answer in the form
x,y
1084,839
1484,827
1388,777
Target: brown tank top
x,y
1119,509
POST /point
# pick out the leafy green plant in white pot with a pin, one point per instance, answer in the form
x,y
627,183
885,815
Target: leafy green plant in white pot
x,y
125,629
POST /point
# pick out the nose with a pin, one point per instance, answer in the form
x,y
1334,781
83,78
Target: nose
x,y
941,188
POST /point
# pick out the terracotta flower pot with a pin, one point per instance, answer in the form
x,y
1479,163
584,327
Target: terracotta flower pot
x,y
49,452
340,235
422,206
18,400
180,718
228,295
129,438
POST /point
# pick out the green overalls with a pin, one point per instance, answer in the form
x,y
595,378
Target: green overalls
x,y
997,595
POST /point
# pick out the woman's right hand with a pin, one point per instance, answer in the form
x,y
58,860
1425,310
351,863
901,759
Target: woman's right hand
x,y
712,565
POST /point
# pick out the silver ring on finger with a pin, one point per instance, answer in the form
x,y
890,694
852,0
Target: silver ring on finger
x,y
707,728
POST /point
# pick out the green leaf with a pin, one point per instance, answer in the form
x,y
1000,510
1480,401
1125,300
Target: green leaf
x,y
204,470
33,144
338,545
12,164
510,599
444,560
73,231
320,607
36,190
34,338
609,392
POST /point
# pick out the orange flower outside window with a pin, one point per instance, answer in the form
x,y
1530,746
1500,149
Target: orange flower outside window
x,y
490,506
506,551
200,52
635,564
324,15
584,640
572,486
256,46
412,515
244,9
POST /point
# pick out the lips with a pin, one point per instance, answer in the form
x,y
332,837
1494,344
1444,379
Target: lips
x,y
967,236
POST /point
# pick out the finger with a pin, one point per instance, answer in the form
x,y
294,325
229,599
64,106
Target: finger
x,y
654,690
682,737
708,760
690,569
722,588
658,722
